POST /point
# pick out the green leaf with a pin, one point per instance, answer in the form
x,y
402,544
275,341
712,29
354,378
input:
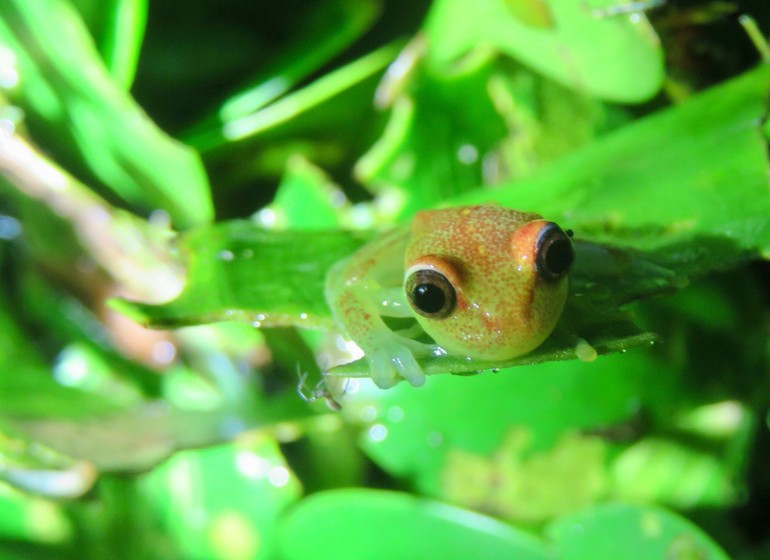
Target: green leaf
x,y
67,94
360,523
630,532
602,280
598,336
242,124
27,388
239,271
617,58
306,199
510,442
323,32
27,518
666,184
253,487
130,440
424,155
668,472
117,27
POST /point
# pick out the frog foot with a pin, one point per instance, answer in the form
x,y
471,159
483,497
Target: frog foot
x,y
391,361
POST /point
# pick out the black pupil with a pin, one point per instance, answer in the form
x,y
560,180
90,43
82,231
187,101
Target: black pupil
x,y
558,256
429,298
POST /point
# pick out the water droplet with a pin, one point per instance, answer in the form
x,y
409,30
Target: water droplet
x,y
163,352
368,413
9,74
468,154
10,118
160,219
337,198
278,476
266,217
9,227
251,465
395,414
378,433
226,255
71,368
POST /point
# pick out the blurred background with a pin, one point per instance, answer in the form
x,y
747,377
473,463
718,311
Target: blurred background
x,y
210,160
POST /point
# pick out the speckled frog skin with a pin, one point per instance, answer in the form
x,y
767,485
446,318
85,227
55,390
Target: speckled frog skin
x,y
483,282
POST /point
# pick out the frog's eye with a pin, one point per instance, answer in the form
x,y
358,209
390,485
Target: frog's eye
x,y
430,293
554,253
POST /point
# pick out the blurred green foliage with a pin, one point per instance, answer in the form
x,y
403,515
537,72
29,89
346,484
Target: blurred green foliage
x,y
198,167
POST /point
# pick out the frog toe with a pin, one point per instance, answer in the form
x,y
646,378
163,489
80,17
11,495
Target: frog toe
x,y
382,371
389,364
407,366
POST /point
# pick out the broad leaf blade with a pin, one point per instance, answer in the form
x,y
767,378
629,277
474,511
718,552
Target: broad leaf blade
x,y
690,182
362,523
617,58
631,532
239,271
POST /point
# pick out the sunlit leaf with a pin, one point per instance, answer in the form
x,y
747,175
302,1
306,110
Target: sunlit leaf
x,y
616,58
118,29
425,155
630,532
423,434
306,199
31,519
66,91
666,184
247,124
254,485
359,523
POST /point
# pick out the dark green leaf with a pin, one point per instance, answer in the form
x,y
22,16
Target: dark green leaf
x,y
324,31
239,271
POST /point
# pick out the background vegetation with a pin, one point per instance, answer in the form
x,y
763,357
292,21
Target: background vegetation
x,y
197,166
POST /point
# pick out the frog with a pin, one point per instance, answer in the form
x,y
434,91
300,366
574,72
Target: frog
x,y
484,282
